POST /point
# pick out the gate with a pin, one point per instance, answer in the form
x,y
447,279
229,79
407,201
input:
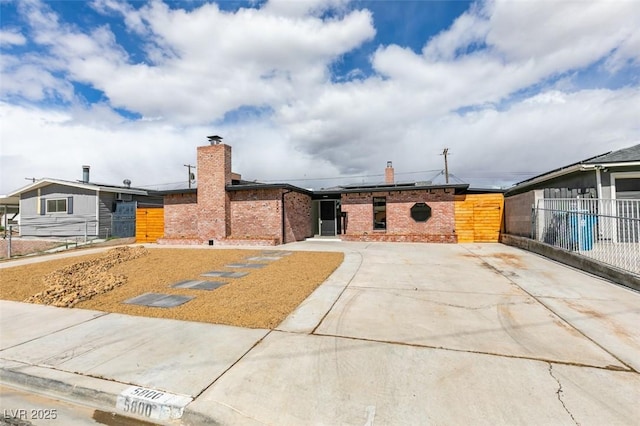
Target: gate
x,y
149,224
478,217
123,219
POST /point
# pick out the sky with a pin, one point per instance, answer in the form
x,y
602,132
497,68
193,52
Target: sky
x,y
316,93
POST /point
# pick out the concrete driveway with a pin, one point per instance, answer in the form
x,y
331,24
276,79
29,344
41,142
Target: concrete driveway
x,y
399,334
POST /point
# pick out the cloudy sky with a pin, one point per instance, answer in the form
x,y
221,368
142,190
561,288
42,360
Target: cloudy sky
x,y
314,92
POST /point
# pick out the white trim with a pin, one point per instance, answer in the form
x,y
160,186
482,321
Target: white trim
x,y
98,212
66,205
47,181
621,175
570,169
605,165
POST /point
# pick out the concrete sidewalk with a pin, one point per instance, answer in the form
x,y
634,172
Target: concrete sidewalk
x,y
399,334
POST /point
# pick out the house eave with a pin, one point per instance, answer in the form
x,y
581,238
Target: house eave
x,y
88,186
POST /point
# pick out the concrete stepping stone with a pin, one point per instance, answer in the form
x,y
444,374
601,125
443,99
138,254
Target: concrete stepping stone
x,y
199,285
276,253
159,300
264,258
224,274
246,265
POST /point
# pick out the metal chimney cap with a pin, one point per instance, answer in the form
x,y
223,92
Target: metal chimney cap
x,y
127,183
215,139
389,164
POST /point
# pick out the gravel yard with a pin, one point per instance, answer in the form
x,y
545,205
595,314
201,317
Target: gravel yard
x,y
261,299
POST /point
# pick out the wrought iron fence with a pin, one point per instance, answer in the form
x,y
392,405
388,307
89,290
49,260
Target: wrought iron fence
x,y
602,229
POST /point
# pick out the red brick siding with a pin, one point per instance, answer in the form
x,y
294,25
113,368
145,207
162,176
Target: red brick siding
x,y
400,225
214,173
180,216
298,224
256,214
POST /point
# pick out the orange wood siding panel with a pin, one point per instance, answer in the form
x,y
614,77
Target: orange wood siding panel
x,y
149,225
479,217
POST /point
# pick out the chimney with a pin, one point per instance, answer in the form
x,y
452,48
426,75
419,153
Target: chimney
x,y
214,174
85,174
389,177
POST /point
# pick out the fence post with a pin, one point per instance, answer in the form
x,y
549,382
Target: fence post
x,y
86,229
533,222
9,243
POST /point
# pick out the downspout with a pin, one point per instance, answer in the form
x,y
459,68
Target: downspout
x,y
283,214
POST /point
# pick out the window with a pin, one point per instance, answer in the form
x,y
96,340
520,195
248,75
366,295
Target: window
x,y
420,212
379,213
58,205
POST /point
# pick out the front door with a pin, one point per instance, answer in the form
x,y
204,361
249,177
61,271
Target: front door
x,y
328,218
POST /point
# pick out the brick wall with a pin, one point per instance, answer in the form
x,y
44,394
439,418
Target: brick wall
x,y
400,225
214,173
180,216
298,224
256,214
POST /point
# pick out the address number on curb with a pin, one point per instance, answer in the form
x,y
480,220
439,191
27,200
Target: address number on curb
x,y
151,403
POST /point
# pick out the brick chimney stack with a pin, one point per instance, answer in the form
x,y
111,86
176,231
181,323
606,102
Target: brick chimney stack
x,y
214,173
389,177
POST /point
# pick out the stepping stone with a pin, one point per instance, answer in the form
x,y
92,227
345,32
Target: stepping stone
x,y
276,253
199,285
246,265
158,300
264,258
225,274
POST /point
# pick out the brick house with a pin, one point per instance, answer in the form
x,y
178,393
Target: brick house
x,y
226,210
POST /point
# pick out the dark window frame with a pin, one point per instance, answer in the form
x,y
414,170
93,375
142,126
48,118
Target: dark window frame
x,y
379,213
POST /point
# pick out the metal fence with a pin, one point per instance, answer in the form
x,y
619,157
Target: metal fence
x,y
602,229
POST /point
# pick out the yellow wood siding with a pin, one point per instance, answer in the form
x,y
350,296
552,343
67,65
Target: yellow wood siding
x,y
479,217
149,225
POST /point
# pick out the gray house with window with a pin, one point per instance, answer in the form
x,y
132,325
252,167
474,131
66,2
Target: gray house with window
x,y
59,208
614,175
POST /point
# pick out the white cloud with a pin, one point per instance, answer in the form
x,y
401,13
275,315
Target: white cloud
x,y
12,37
204,63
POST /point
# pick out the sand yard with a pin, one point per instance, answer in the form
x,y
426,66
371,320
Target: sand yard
x,y
261,299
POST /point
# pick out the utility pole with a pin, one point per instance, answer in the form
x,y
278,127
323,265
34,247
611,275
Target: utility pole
x,y
445,152
190,176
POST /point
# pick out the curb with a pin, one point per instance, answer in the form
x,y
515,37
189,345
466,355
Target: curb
x,y
96,393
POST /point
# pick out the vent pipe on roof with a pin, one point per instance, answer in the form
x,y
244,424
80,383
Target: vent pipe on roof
x,y
85,174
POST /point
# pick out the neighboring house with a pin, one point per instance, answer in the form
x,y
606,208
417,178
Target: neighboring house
x,y
224,209
60,208
9,213
614,175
